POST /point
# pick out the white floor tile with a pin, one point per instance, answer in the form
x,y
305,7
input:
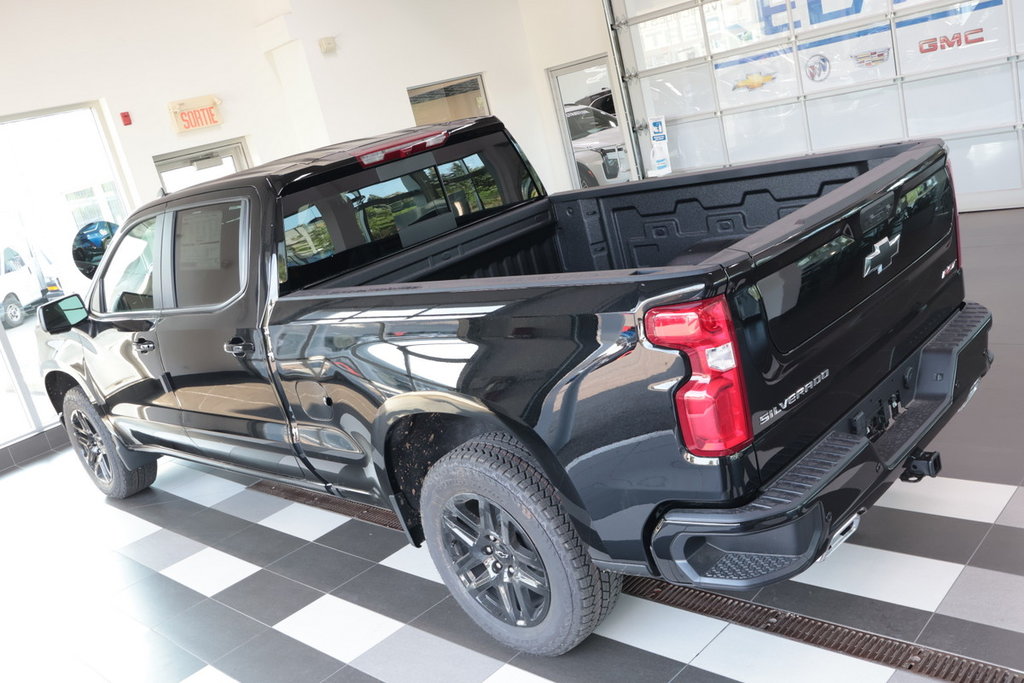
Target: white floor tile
x,y
413,560
115,528
757,657
304,521
975,500
660,629
338,628
209,674
511,674
199,487
918,582
210,571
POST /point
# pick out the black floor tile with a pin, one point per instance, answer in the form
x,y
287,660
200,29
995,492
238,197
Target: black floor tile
x,y
692,674
392,593
260,545
274,657
970,639
57,437
350,674
157,507
267,597
1002,551
601,659
209,630
29,448
879,617
915,533
156,599
208,526
147,658
447,620
320,567
366,540
6,461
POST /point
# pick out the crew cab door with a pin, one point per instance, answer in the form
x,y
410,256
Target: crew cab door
x,y
121,346
211,341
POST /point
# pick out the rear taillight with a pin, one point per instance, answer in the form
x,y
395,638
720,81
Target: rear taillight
x,y
400,148
712,404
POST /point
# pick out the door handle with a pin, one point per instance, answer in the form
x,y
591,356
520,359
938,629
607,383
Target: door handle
x,y
238,348
144,345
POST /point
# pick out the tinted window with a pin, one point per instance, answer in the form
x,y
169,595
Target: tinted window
x,y
128,280
12,260
206,254
347,222
586,121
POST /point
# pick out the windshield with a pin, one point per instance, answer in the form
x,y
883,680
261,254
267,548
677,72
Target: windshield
x,y
587,121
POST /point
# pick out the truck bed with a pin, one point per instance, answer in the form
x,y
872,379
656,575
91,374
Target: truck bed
x,y
682,220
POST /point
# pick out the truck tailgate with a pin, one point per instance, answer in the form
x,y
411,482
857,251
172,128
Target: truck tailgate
x,y
840,292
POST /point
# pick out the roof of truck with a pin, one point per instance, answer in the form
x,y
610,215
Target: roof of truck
x,y
281,172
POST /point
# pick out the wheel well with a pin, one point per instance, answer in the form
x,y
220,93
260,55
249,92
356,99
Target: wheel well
x,y
58,384
414,443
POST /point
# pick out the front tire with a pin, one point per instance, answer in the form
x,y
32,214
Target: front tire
x,y
507,551
13,312
94,445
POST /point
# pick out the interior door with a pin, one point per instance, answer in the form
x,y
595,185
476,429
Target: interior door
x,y
195,165
211,342
122,352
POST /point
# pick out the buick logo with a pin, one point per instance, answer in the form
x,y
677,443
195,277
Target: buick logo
x,y
881,255
818,68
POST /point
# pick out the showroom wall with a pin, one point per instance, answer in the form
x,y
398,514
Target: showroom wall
x,y
262,60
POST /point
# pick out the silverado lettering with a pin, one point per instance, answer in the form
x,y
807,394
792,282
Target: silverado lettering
x,y
794,397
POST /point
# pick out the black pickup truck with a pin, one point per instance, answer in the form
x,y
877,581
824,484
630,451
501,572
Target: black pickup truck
x,y
706,378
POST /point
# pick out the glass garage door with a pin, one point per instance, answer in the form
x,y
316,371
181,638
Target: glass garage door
x,y
744,80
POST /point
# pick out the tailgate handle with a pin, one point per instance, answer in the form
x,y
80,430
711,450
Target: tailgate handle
x,y
238,348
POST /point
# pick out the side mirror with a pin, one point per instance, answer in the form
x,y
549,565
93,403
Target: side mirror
x,y
61,315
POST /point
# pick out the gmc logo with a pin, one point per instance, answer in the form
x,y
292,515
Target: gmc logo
x,y
949,42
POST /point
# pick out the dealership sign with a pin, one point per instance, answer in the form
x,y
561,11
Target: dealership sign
x,y
195,113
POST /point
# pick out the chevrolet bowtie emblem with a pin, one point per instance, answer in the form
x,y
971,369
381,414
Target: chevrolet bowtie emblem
x,y
881,255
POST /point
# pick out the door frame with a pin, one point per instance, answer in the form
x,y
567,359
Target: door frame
x,y
234,147
621,111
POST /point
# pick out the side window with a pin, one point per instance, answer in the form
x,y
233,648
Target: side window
x,y
343,223
127,283
207,268
12,260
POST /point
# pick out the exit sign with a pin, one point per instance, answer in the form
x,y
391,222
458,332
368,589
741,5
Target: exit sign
x,y
196,113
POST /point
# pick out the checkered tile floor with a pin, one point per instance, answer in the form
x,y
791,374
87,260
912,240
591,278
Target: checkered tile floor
x,y
201,579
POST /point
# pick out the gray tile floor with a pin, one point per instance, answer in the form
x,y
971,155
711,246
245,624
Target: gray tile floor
x,y
201,579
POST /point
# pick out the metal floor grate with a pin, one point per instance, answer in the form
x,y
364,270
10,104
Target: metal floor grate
x,y
874,648
891,652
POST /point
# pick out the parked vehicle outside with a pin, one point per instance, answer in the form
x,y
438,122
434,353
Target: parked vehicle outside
x,y
597,145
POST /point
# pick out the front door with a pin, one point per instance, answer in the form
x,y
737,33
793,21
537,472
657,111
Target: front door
x,y
122,350
211,342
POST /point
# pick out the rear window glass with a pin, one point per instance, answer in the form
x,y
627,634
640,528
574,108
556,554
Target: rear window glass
x,y
350,221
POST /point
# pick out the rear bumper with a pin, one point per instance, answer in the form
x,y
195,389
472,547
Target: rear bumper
x,y
789,525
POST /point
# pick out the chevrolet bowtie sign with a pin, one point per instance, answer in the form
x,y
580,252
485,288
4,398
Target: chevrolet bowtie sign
x,y
882,254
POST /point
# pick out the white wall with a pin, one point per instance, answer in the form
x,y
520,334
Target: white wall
x,y
278,91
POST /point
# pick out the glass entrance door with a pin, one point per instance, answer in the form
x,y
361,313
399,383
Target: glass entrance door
x,y
189,167
594,141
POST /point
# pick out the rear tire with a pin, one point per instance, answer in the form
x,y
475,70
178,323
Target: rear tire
x,y
96,450
13,312
507,550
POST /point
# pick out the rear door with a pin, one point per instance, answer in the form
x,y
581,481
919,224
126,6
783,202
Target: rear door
x,y
211,341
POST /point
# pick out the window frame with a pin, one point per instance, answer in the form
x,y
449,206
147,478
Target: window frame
x,y
244,236
96,296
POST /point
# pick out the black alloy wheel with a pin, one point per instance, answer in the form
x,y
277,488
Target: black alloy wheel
x,y
495,560
90,446
96,449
